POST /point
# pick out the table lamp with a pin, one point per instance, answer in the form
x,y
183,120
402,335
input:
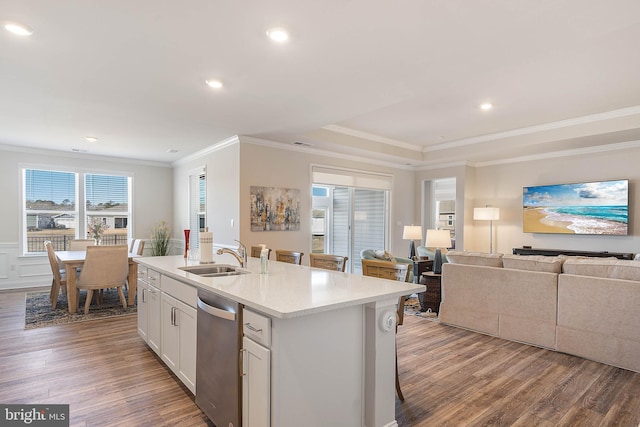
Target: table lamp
x,y
412,232
488,213
438,239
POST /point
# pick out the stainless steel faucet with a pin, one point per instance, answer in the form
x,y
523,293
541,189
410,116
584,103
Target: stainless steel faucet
x,y
240,254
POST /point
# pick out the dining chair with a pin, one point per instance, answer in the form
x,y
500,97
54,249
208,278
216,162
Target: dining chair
x,y
292,257
328,262
137,247
391,271
104,267
59,275
255,252
80,244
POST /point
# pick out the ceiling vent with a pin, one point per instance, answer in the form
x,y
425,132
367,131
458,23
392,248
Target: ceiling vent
x,y
302,144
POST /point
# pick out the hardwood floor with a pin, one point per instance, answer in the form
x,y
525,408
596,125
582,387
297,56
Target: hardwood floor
x,y
449,376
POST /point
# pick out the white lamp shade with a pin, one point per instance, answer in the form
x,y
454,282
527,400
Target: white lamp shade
x,y
438,238
412,232
488,213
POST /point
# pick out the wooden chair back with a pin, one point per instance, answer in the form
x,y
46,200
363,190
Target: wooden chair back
x,y
81,244
292,257
59,278
137,247
328,262
104,267
255,252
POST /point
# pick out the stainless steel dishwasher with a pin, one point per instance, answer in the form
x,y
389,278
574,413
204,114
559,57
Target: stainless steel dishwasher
x,y
218,380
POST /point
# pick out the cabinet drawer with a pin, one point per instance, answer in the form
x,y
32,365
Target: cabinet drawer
x,y
153,277
256,327
142,272
181,291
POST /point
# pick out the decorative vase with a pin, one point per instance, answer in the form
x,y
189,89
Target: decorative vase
x,y
186,242
98,241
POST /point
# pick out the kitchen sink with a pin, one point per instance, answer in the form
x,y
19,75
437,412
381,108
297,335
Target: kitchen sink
x,y
213,270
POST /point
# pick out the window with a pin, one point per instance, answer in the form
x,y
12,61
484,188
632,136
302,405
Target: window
x,y
58,204
50,211
107,198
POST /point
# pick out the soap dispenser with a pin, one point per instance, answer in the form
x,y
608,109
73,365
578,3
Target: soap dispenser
x,y
264,259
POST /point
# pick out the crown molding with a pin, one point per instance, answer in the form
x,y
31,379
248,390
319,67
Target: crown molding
x,y
76,156
564,153
608,115
324,153
372,137
227,142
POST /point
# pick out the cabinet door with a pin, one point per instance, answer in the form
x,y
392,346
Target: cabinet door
x,y
187,324
143,298
170,349
256,384
153,318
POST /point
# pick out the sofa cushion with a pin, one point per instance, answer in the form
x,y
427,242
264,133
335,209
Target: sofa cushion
x,y
547,264
475,258
603,267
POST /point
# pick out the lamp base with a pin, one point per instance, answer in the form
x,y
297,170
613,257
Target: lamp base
x,y
412,250
437,262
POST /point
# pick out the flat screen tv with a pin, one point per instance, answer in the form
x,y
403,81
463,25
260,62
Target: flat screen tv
x,y
600,207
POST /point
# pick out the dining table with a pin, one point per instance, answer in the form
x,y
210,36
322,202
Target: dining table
x,y
72,260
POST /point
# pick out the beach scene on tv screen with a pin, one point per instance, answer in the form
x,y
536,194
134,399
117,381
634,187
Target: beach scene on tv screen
x,y
583,208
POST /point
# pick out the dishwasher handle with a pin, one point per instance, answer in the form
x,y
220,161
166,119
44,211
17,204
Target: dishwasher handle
x,y
217,312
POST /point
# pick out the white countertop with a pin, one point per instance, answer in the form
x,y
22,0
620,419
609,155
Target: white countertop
x,y
287,290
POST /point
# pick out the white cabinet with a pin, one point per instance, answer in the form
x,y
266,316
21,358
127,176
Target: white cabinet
x,y
178,326
143,303
153,318
256,384
149,307
256,370
167,322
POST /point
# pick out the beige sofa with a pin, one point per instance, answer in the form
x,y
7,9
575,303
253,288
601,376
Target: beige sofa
x,y
589,307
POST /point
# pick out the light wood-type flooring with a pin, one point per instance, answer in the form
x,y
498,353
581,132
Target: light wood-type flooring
x,y
449,376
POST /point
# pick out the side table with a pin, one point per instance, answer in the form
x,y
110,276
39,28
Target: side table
x,y
419,267
430,300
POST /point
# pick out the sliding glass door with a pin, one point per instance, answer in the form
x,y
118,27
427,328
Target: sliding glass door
x,y
354,219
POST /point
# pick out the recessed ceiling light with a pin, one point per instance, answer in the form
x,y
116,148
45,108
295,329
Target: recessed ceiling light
x,y
19,29
91,138
278,34
486,106
216,84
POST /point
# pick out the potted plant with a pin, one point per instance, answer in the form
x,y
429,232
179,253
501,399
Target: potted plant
x,y
160,239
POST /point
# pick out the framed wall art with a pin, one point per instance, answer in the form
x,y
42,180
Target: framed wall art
x,y
275,209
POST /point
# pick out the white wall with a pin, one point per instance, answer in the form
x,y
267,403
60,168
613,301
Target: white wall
x,y
501,186
152,196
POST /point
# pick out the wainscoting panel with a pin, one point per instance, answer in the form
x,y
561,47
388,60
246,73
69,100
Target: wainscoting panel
x,y
17,271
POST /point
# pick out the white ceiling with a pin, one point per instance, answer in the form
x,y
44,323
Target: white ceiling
x,y
395,81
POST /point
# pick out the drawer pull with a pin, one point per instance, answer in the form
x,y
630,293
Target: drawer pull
x,y
251,328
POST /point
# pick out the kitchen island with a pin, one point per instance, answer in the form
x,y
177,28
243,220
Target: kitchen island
x,y
331,337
